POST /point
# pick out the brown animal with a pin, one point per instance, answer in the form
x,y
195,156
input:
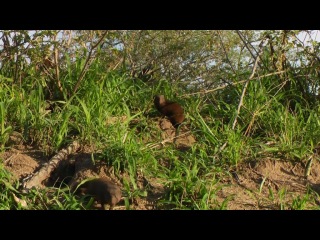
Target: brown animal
x,y
103,190
172,110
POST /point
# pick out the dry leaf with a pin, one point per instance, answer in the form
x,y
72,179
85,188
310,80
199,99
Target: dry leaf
x,y
22,202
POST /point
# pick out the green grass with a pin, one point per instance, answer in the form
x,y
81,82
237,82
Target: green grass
x,y
191,178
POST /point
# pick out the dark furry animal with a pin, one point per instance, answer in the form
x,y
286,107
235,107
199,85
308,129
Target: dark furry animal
x,y
103,190
172,110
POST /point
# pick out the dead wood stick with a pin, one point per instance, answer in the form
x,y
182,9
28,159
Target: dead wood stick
x,y
44,173
233,84
243,93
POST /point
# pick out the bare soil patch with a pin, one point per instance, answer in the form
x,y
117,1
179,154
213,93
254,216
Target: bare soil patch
x,y
270,184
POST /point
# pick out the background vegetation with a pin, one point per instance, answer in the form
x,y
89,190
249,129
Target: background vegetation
x,y
241,90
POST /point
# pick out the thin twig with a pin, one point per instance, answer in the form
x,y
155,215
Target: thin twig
x,y
265,105
120,61
233,84
261,175
69,37
225,52
154,145
244,92
246,45
9,158
86,65
56,53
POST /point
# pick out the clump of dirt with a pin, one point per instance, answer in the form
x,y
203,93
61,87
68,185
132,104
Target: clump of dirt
x,y
183,141
21,160
19,164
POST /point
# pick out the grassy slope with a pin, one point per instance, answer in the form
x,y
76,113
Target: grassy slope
x,y
193,176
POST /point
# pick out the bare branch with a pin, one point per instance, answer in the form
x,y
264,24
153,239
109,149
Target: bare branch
x,y
244,92
225,52
246,44
233,84
56,53
88,62
265,105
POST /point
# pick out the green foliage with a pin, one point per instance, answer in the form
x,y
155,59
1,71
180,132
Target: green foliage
x,y
8,187
98,87
5,131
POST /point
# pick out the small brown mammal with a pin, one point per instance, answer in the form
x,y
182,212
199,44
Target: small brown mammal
x,y
103,190
172,110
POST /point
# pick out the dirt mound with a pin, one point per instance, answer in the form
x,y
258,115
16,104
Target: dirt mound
x,y
184,140
19,164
